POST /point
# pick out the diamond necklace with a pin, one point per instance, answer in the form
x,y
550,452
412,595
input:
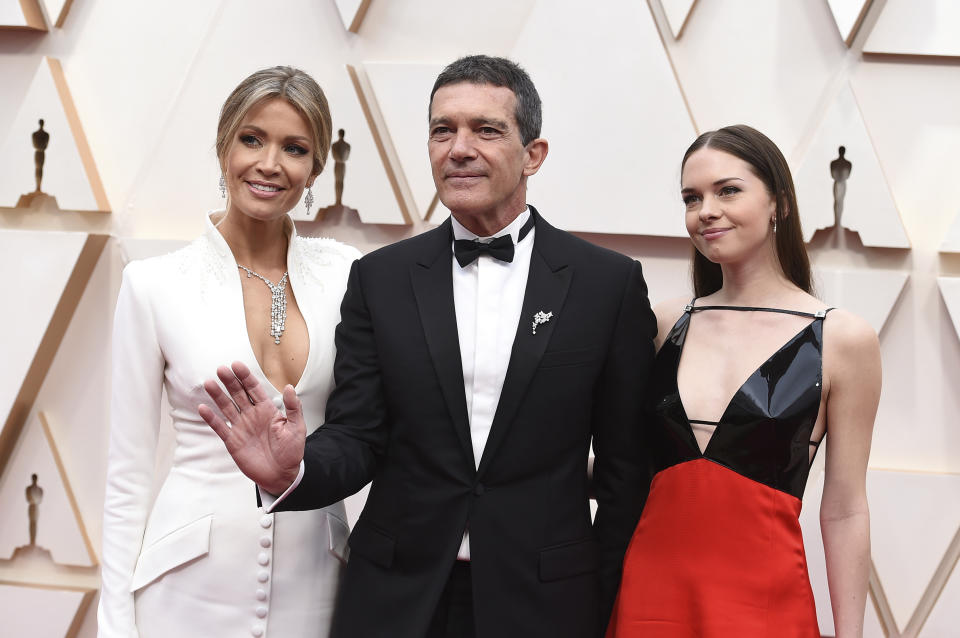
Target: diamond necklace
x,y
278,303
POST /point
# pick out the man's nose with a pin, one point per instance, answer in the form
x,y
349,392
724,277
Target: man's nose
x,y
462,146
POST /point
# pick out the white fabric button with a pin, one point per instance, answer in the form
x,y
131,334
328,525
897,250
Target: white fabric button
x,y
263,576
263,558
257,630
261,594
266,521
266,542
261,612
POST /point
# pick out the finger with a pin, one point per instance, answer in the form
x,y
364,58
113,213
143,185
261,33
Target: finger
x,y
249,382
234,387
291,403
216,423
223,402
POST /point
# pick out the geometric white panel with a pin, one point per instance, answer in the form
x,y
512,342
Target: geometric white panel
x,y
944,619
913,518
314,43
43,262
21,14
677,12
848,14
38,612
617,128
57,10
57,529
869,293
352,12
951,243
406,121
868,205
909,27
68,170
950,291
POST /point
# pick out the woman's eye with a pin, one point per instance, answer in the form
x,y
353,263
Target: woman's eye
x,y
250,140
295,149
690,200
729,190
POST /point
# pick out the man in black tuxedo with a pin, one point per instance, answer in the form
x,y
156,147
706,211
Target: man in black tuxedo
x,y
471,375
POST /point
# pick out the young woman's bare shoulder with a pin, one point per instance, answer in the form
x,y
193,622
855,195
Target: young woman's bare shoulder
x,y
851,346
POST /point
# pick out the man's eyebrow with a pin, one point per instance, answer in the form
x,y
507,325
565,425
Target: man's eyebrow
x,y
481,121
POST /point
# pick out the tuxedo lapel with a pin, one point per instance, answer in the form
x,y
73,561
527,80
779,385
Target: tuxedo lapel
x,y
547,285
432,280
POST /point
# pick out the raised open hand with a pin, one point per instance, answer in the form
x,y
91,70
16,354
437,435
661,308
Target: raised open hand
x,y
266,445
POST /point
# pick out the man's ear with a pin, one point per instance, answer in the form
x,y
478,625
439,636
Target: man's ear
x,y
536,152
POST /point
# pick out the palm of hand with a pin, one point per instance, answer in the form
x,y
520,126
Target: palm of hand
x,y
266,444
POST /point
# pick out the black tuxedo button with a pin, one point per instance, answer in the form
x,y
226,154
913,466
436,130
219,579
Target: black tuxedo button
x,y
479,489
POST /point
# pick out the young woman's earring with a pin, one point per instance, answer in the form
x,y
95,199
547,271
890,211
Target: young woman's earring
x,y
774,220
223,186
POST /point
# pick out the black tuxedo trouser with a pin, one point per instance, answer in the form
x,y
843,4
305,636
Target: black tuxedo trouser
x,y
454,615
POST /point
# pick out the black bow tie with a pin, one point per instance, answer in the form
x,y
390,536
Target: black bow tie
x,y
468,250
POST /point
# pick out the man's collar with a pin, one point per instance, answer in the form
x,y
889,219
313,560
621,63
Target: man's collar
x,y
512,229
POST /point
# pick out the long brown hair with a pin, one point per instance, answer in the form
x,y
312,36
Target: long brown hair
x,y
768,164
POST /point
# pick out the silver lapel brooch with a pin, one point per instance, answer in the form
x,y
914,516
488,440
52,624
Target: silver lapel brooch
x,y
541,318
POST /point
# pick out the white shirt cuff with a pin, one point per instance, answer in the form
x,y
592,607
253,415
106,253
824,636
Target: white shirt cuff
x,y
270,501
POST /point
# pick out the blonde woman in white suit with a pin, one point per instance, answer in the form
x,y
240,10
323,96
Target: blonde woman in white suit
x,y
202,559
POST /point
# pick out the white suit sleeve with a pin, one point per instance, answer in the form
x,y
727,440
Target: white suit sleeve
x,y
138,365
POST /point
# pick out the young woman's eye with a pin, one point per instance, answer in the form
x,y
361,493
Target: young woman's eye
x,y
729,190
250,140
690,200
295,149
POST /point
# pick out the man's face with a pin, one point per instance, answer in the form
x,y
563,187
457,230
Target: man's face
x,y
477,155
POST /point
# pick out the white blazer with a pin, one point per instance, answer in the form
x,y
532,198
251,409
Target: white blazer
x,y
204,560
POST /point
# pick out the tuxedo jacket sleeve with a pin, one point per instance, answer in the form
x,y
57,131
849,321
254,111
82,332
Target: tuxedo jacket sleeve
x,y
621,472
341,457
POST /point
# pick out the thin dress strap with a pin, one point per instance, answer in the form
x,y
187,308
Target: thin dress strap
x,y
820,314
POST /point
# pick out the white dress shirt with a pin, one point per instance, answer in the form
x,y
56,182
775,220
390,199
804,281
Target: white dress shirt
x,y
488,298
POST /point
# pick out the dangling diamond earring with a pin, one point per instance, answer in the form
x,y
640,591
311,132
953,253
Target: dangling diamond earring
x,y
774,225
308,200
223,187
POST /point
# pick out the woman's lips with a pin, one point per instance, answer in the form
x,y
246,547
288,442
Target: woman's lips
x,y
714,233
263,190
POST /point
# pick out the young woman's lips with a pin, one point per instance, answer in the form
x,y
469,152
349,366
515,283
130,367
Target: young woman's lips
x,y
263,190
714,233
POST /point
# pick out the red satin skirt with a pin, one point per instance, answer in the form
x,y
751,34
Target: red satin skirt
x,y
715,555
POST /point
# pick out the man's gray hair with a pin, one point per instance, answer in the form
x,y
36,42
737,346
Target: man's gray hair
x,y
484,69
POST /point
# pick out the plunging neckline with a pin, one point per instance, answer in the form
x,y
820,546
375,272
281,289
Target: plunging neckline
x,y
256,366
703,453
246,332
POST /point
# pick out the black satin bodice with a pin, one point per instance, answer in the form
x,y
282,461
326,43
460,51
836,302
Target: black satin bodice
x,y
764,433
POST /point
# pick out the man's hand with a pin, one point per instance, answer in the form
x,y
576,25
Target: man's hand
x,y
266,445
